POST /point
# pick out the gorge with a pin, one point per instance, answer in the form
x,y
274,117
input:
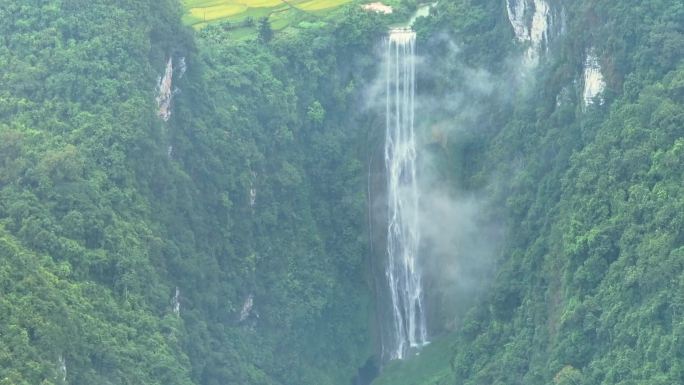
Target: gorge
x,y
491,194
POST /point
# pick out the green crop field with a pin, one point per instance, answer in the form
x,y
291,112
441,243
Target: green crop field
x,y
198,13
318,5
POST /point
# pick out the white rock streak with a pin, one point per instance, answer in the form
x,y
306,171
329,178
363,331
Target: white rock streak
x,y
165,92
593,80
62,368
247,307
175,302
532,30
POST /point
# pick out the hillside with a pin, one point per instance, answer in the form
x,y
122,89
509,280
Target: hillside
x,y
192,250
589,283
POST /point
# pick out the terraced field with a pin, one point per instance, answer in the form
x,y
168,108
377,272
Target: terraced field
x,y
281,12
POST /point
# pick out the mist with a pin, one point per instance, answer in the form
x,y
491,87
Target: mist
x,y
460,226
460,232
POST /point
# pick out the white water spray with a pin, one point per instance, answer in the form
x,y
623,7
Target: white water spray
x,y
403,233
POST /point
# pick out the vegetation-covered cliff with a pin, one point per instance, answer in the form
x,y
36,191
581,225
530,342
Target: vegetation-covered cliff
x,y
224,245
588,286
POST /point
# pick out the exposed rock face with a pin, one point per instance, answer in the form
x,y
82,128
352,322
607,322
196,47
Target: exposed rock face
x,y
516,15
165,92
247,307
62,368
593,80
532,21
252,190
252,196
175,302
377,7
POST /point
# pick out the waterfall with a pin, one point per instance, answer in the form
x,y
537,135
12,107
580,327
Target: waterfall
x,y
403,234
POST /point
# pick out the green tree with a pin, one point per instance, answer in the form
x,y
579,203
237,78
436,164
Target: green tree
x,y
264,30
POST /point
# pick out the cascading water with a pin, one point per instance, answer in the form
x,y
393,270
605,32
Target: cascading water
x,y
403,233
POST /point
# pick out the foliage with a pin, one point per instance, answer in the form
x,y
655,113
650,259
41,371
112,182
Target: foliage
x,y
228,245
588,287
264,31
112,219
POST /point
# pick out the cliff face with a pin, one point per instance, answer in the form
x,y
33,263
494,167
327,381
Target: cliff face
x,y
572,157
84,298
533,23
216,239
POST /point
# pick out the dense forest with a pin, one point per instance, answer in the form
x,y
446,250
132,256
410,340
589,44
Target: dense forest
x,y
226,239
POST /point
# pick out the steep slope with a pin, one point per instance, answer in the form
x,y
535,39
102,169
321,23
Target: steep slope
x,y
223,243
588,286
224,239
263,132
75,121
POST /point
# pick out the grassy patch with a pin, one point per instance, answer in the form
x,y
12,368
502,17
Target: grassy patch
x,y
317,5
430,367
217,12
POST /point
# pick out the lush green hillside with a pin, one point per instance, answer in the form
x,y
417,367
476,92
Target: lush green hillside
x,y
79,281
273,118
131,245
590,281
